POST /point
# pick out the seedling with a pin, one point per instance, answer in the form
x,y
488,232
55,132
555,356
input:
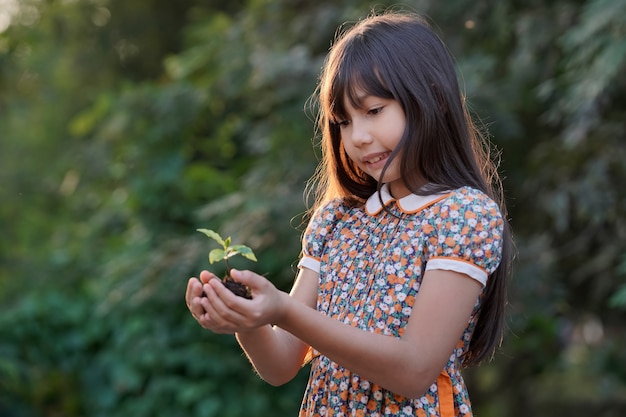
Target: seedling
x,y
226,252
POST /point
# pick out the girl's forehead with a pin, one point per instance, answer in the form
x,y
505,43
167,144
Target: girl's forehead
x,y
355,96
357,90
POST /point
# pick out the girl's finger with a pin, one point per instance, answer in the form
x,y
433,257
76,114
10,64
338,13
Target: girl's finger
x,y
206,276
196,307
194,289
248,278
220,315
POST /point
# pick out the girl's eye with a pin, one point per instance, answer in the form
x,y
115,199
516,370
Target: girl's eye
x,y
343,123
375,110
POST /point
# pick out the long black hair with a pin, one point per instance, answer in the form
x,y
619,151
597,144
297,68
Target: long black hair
x,y
398,56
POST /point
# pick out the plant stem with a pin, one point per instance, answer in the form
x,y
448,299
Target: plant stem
x,y
227,267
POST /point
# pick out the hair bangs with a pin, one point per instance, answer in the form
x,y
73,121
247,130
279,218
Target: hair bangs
x,y
357,77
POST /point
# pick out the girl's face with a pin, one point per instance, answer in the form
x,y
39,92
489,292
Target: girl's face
x,y
370,133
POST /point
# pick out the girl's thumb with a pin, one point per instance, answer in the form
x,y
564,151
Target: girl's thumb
x,y
206,276
245,277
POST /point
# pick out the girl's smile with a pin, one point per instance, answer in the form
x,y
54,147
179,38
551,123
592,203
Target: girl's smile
x,y
374,160
370,133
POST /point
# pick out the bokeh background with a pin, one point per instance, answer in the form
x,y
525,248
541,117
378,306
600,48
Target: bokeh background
x,y
125,125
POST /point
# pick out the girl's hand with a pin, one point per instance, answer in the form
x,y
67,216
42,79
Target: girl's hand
x,y
193,295
224,312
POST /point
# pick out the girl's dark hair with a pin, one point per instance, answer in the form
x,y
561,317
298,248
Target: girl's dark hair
x,y
397,56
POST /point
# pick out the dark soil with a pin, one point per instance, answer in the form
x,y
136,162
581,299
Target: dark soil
x,y
237,288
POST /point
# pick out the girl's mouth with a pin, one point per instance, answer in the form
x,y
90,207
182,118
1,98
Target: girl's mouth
x,y
376,158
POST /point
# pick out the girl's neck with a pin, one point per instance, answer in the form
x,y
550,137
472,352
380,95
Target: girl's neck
x,y
398,189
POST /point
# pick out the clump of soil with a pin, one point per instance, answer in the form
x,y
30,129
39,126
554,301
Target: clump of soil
x,y
237,288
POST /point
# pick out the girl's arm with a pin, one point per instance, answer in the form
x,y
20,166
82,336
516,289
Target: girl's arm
x,y
406,366
276,355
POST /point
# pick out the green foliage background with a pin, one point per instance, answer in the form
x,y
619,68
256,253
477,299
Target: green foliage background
x,y
124,126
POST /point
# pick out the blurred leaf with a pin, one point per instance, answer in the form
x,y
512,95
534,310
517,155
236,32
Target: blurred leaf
x,y
213,235
217,255
245,251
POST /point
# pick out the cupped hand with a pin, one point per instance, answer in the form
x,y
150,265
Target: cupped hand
x,y
224,312
193,295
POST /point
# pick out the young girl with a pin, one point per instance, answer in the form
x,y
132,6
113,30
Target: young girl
x,y
402,277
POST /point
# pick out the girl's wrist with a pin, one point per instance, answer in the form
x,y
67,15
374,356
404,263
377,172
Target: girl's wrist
x,y
283,308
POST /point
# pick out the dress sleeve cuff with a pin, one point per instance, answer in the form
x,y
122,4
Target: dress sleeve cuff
x,y
460,266
309,263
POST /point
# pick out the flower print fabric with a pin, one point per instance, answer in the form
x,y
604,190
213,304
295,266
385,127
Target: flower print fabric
x,y
371,261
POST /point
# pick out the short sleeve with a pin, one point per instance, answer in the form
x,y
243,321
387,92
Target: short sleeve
x,y
467,235
318,232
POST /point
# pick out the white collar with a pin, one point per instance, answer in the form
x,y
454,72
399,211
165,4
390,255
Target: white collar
x,y
409,204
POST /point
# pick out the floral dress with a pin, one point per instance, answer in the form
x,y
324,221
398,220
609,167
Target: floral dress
x,y
370,263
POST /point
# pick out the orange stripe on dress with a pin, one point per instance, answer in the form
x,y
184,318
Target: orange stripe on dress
x,y
446,395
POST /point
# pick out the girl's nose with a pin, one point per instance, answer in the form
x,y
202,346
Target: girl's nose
x,y
360,134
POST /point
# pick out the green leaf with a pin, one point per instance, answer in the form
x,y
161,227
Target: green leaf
x,y
217,255
244,251
213,235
